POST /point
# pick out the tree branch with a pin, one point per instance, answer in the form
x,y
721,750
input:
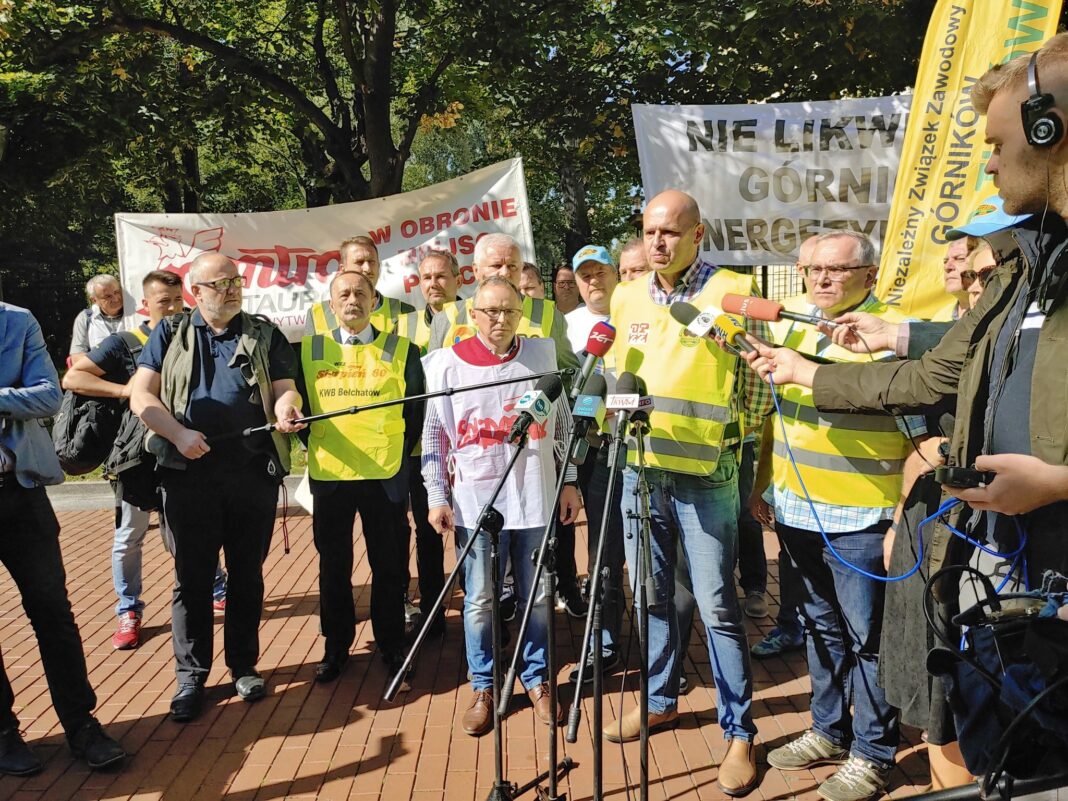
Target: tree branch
x,y
339,106
422,103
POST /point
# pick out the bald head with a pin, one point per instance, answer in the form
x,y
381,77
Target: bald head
x,y
672,232
210,263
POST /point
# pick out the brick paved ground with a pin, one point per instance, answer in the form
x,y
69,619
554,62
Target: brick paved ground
x,y
342,740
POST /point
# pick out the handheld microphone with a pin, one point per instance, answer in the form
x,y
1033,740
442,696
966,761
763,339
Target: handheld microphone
x,y
535,406
732,331
767,310
697,323
598,344
589,413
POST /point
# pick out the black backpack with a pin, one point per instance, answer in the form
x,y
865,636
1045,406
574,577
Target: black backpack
x,y
133,468
83,432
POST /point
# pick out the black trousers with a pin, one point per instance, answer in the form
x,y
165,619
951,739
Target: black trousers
x,y
207,510
29,549
386,533
429,549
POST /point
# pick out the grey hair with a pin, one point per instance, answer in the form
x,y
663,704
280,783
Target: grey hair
x,y
496,280
445,256
865,248
492,241
96,282
349,274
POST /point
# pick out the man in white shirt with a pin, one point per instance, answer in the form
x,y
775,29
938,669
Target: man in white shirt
x,y
101,319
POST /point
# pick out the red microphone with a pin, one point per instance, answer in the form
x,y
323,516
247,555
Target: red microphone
x,y
598,344
767,310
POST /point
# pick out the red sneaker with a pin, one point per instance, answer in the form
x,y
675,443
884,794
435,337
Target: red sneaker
x,y
129,634
219,604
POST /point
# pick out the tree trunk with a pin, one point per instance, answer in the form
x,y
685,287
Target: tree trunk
x,y
573,191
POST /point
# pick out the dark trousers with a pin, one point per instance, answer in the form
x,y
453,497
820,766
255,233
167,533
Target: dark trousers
x,y
752,561
385,526
429,550
593,483
207,510
29,549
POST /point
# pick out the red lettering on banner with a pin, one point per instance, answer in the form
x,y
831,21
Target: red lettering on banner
x,y
488,433
467,275
380,235
410,282
485,211
283,266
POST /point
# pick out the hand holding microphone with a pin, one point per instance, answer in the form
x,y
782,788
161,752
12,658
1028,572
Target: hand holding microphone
x,y
784,365
861,332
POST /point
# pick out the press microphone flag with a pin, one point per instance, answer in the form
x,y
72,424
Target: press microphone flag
x,y
589,414
599,342
629,395
732,331
767,310
697,323
535,406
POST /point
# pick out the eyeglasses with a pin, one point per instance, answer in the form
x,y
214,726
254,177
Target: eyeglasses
x,y
565,284
835,272
223,284
495,314
968,276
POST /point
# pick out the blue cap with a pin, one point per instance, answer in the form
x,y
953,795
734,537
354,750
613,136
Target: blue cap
x,y
591,253
989,217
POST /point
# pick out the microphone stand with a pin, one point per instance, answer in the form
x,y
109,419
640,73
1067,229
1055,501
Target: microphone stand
x,y
593,634
248,432
644,580
544,567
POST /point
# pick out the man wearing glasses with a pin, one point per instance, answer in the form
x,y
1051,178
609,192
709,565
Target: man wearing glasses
x,y
565,289
217,371
850,467
469,431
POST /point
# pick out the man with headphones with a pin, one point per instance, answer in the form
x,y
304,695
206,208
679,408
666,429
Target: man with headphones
x,y
1006,361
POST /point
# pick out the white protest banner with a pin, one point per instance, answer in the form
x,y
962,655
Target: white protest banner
x,y
288,257
769,175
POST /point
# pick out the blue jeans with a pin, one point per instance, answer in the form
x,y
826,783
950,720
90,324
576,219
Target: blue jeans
x,y
131,524
843,613
704,512
478,604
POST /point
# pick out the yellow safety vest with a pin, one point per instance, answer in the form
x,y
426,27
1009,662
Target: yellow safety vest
x,y
384,318
947,313
413,326
844,459
537,320
690,379
354,446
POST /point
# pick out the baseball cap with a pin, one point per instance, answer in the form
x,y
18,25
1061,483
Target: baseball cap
x,y
989,217
591,253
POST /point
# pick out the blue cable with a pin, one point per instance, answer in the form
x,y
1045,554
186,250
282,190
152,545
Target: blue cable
x,y
942,509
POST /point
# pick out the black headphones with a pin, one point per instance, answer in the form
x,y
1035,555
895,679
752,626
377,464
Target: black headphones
x,y
1041,127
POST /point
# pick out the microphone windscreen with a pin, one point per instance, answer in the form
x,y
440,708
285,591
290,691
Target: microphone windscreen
x,y
600,339
683,312
551,385
596,386
753,308
627,384
729,327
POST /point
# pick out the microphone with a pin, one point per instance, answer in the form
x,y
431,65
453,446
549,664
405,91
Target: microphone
x,y
640,417
598,344
732,331
767,310
629,396
589,413
697,323
535,406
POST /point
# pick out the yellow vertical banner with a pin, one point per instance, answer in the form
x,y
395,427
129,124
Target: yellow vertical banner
x,y
940,179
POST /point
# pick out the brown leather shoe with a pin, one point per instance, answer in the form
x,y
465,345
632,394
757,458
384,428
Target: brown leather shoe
x,y
737,771
629,727
539,699
478,719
